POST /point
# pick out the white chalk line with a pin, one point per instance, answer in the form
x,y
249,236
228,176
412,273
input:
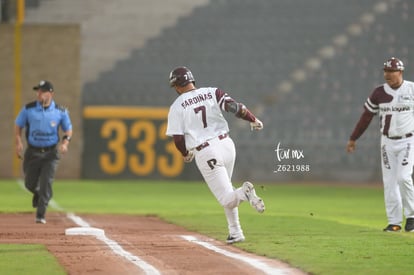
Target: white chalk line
x,y
149,269
113,245
248,260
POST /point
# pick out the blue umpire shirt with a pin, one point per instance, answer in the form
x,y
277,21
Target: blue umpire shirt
x,y
42,124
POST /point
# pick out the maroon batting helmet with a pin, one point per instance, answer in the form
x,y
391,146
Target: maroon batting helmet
x,y
181,76
393,64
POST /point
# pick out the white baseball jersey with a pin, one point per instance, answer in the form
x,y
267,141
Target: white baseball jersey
x,y
395,107
197,115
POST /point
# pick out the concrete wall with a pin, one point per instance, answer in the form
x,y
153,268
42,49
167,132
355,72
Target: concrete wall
x,y
49,52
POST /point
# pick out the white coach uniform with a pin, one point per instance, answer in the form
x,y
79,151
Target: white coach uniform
x,y
396,110
197,115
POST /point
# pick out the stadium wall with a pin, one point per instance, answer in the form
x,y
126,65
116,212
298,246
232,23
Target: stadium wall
x,y
47,52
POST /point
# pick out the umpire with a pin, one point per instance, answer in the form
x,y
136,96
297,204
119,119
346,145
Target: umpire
x,y
42,119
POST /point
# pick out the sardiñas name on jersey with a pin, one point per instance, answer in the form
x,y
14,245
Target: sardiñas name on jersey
x,y
196,99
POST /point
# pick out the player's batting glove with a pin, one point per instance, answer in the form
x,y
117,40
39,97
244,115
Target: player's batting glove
x,y
189,157
256,125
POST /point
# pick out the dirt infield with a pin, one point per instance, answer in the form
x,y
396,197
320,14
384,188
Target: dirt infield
x,y
152,240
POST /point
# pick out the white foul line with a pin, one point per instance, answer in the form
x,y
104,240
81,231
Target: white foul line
x,y
149,269
253,262
116,248
113,245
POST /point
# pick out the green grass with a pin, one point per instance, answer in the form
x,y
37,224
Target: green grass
x,y
36,259
318,228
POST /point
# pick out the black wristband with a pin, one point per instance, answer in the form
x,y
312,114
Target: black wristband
x,y
68,138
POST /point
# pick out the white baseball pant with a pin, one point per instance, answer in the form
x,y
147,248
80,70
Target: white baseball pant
x,y
216,163
397,167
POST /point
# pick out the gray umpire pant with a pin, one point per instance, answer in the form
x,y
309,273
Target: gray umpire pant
x,y
39,167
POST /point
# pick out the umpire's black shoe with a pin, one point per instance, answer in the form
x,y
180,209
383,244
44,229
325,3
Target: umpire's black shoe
x,y
409,225
392,228
35,200
40,220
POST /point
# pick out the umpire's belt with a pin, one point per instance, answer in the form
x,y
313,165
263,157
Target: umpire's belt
x,y
401,137
206,144
42,149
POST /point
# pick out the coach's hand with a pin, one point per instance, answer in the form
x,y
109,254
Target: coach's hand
x,y
350,147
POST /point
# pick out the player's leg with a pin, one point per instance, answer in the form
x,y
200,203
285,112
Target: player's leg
x,y
392,198
228,152
234,227
214,162
232,214
406,162
233,197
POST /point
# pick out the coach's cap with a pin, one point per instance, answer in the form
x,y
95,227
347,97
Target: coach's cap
x,y
44,86
393,64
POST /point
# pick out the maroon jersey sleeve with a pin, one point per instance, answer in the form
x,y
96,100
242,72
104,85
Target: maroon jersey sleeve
x,y
371,108
362,124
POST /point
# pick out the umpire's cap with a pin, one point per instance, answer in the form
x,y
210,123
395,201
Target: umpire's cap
x,y
44,86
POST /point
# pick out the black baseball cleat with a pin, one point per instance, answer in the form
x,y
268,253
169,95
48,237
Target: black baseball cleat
x,y
235,239
409,225
392,228
35,200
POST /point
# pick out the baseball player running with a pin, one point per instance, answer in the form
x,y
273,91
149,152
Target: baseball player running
x,y
196,123
394,102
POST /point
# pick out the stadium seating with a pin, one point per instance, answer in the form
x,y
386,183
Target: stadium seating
x,y
305,67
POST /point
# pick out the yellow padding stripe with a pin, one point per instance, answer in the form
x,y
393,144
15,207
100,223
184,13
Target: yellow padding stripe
x,y
104,112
